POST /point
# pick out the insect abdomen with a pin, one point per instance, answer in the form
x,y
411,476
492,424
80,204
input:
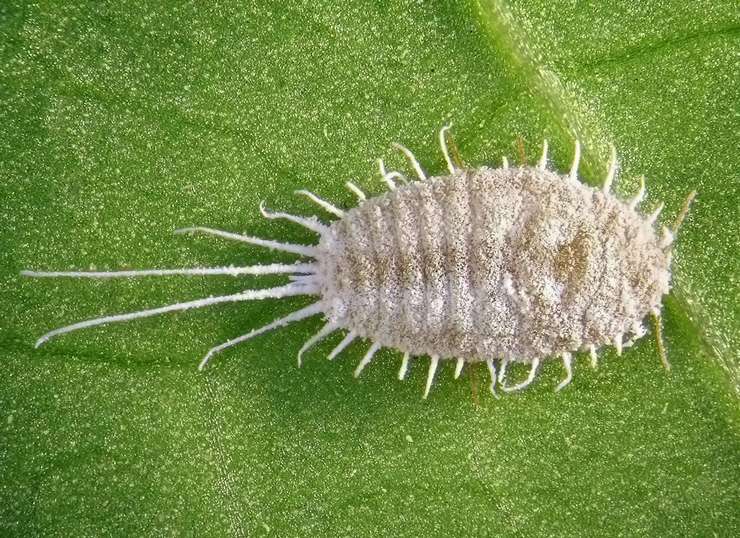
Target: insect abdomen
x,y
518,263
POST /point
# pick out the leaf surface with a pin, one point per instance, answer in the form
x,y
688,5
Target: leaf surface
x,y
122,122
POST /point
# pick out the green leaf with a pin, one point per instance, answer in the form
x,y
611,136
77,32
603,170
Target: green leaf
x,y
123,121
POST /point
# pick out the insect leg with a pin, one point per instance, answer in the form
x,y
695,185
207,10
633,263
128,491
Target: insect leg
x,y
347,340
576,160
443,145
334,210
657,328
304,250
430,375
612,170
526,382
459,367
404,366
367,358
361,197
274,268
504,163
684,211
304,279
388,177
568,364
502,371
618,344
640,194
492,371
303,313
542,165
666,239
312,223
323,333
654,215
412,160
594,356
247,295
385,176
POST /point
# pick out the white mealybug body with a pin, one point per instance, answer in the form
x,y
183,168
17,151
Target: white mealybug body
x,y
514,264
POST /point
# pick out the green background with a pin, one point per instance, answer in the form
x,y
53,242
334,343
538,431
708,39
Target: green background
x,y
120,123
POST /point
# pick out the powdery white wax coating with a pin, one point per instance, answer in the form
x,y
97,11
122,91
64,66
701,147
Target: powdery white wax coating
x,y
517,263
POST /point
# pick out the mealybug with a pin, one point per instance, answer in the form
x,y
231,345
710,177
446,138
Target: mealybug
x,y
480,265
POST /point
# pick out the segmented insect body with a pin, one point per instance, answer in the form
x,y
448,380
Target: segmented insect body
x,y
494,265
